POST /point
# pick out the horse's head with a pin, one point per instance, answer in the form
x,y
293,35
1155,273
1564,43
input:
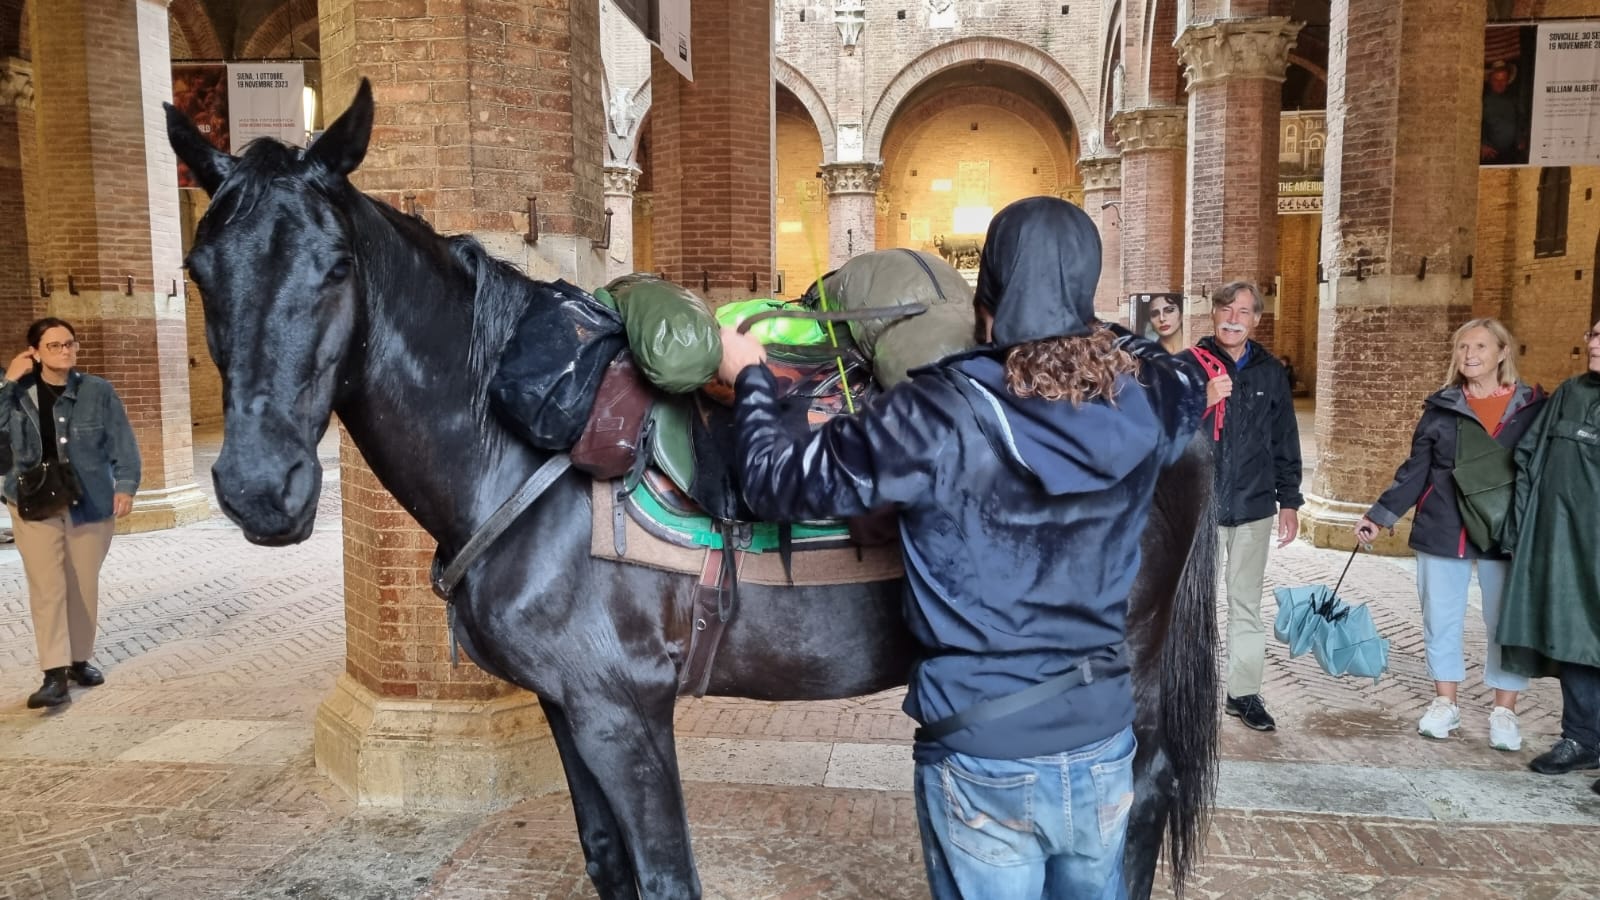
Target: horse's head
x,y
274,259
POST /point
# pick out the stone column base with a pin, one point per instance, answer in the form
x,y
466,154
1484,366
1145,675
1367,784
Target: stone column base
x,y
161,508
1331,524
449,755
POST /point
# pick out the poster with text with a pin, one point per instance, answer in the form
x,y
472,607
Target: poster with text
x,y
265,99
1566,95
672,25
200,91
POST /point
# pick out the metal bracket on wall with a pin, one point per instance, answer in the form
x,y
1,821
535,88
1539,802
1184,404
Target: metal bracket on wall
x,y
705,282
1322,276
44,287
72,286
1466,268
753,285
532,236
173,294
605,242
1422,270
1361,269
129,289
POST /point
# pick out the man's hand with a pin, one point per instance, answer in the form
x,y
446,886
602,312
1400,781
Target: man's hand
x,y
1218,389
20,365
1288,526
121,505
738,351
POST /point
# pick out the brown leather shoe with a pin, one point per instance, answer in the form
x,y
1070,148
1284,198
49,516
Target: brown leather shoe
x,y
85,674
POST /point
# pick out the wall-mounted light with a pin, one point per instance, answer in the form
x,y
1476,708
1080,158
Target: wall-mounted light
x,y
308,105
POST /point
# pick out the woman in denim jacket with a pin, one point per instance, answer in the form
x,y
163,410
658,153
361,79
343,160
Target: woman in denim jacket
x,y
51,412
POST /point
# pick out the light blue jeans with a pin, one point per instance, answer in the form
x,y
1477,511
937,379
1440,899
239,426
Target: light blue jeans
x,y
1025,829
1442,584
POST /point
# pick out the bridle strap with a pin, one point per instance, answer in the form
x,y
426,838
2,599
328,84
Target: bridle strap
x,y
446,577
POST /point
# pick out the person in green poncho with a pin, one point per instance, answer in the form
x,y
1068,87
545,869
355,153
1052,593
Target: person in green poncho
x,y
1550,622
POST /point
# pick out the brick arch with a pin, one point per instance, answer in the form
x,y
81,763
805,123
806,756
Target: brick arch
x,y
199,35
275,37
1161,84
1062,149
804,91
1000,51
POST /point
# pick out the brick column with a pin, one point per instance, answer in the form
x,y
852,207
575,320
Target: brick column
x,y
480,105
1234,68
20,302
1152,139
852,209
1102,200
1495,258
620,184
108,235
1401,185
712,159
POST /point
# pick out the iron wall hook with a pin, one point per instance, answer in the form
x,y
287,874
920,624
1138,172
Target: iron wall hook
x,y
44,287
605,242
72,286
532,237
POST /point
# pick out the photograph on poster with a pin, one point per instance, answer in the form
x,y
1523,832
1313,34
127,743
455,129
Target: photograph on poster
x,y
201,92
1158,317
1509,57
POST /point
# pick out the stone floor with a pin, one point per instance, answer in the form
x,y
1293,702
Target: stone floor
x,y
189,773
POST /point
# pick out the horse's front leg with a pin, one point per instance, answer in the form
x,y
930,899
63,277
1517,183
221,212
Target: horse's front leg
x,y
623,732
604,848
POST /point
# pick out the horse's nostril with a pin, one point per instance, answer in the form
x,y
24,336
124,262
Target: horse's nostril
x,y
298,484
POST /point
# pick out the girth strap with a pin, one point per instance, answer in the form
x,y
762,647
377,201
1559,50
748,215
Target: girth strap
x,y
446,577
715,604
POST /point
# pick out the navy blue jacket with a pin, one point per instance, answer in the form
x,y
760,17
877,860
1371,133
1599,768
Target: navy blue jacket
x,y
1020,519
1258,456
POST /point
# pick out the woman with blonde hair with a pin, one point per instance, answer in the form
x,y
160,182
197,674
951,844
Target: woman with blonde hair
x,y
1482,399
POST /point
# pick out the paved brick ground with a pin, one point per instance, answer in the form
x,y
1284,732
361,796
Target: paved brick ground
x,y
189,773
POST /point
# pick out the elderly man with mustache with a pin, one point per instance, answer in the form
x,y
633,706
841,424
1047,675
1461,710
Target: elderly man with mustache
x,y
1250,418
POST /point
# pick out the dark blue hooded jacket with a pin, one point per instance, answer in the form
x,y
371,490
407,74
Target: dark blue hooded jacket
x,y
1020,519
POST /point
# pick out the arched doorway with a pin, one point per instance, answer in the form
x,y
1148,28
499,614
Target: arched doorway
x,y
801,202
963,144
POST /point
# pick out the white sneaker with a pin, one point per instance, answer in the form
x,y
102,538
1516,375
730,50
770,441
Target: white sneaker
x,y
1441,718
1504,731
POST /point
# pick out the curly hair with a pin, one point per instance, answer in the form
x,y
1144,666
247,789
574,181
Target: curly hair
x,y
1074,369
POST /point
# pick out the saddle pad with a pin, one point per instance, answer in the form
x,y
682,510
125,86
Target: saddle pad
x,y
668,513
834,562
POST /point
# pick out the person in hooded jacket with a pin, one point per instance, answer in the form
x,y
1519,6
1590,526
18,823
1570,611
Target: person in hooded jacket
x,y
1023,472
1482,392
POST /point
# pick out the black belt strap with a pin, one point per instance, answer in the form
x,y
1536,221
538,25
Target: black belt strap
x,y
1000,707
446,577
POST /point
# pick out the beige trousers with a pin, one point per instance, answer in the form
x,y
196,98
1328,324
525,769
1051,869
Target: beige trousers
x,y
62,562
1246,547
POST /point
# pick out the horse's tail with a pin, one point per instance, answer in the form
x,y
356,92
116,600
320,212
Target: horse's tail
x,y
1189,682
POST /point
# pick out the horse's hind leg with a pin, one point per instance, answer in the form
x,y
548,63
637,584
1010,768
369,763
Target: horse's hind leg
x,y
626,742
604,849
1147,822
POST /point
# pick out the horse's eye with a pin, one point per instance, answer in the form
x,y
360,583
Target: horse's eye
x,y
339,272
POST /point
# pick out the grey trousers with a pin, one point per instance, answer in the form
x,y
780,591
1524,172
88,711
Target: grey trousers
x,y
62,562
1246,548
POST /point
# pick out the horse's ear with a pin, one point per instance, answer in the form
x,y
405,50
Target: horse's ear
x,y
209,165
342,147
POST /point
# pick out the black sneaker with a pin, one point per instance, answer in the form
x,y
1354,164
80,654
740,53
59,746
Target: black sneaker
x,y
1251,711
53,692
85,674
1566,756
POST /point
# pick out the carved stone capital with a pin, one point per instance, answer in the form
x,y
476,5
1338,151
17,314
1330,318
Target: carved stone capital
x,y
16,83
1101,173
620,181
852,178
1151,128
1224,49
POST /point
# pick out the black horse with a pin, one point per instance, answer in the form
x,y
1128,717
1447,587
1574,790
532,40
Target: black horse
x,y
319,299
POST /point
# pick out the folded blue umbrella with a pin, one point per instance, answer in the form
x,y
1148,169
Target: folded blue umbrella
x,y
1343,638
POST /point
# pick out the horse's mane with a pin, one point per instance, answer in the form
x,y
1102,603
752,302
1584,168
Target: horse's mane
x,y
263,161
501,293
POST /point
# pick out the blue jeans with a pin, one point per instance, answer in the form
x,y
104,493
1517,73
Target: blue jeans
x,y
1046,827
1442,583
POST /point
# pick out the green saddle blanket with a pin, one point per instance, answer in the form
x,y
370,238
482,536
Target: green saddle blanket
x,y
662,509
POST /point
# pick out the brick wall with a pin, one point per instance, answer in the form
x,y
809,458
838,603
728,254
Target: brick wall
x,y
802,200
1232,217
1550,298
711,145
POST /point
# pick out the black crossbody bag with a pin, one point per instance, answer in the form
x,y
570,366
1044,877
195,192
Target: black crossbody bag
x,y
47,490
